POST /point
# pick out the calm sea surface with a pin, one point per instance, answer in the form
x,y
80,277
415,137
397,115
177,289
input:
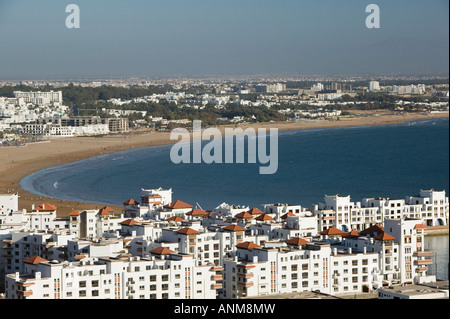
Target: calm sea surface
x,y
392,161
387,161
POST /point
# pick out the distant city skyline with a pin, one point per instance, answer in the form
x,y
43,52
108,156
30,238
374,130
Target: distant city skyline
x,y
208,38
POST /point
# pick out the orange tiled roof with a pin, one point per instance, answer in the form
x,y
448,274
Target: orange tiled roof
x,y
130,202
372,230
130,222
233,227
178,204
34,260
285,216
248,245
45,207
296,241
332,232
244,215
187,231
174,219
353,233
74,213
162,251
384,236
255,211
197,212
420,226
105,210
264,217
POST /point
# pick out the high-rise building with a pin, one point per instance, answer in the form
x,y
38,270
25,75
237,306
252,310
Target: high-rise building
x,y
374,86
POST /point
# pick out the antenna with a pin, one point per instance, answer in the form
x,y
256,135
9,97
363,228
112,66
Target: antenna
x,y
198,205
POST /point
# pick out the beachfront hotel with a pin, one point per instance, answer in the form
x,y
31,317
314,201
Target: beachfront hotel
x,y
340,212
161,248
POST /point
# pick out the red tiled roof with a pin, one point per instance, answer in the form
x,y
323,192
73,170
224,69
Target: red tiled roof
x,y
162,251
290,214
105,211
353,233
372,230
248,245
420,226
296,241
234,227
187,231
244,215
130,222
332,232
130,202
74,213
384,236
45,207
197,212
34,260
178,204
174,219
255,211
264,217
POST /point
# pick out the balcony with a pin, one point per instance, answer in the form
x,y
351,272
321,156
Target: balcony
x,y
216,268
245,284
24,293
216,286
421,269
423,253
423,262
246,266
217,277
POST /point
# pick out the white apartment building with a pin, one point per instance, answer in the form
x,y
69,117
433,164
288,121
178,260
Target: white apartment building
x,y
19,245
161,276
225,209
40,98
8,203
150,196
340,212
318,87
257,271
354,264
374,86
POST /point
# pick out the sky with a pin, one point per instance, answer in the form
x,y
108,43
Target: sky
x,y
166,38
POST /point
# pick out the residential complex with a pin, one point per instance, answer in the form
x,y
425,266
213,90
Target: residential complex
x,y
165,249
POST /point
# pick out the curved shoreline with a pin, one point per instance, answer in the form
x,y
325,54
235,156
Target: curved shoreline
x,y
17,163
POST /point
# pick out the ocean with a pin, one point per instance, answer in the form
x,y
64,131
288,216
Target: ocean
x,y
373,161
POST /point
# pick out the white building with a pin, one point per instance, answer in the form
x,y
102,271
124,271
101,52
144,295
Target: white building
x,y
40,98
340,212
160,276
374,86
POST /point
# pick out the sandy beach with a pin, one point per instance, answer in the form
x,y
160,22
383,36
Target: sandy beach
x,y
18,162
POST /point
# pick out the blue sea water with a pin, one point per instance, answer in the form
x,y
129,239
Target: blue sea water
x,y
389,161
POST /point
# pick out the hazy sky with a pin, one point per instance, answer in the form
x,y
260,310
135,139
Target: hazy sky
x,y
221,37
